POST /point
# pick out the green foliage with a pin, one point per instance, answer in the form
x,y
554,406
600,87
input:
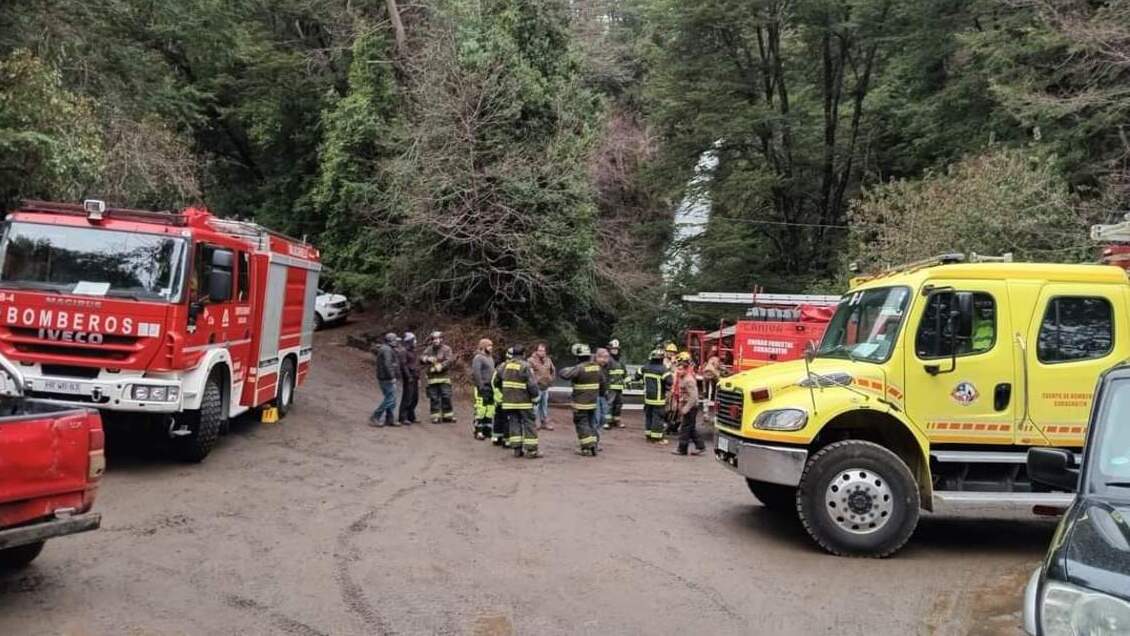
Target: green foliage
x,y
1002,201
49,138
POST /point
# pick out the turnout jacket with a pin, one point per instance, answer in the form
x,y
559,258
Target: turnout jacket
x,y
657,381
439,361
516,382
588,384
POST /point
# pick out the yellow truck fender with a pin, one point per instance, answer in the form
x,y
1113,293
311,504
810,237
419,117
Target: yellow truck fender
x,y
885,425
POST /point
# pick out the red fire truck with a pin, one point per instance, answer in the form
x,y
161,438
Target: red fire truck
x,y
187,318
776,328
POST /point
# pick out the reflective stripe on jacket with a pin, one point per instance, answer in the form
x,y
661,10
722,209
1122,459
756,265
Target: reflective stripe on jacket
x,y
656,382
586,387
518,387
616,375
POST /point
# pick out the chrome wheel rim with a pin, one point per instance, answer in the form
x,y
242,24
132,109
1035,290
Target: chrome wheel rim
x,y
859,501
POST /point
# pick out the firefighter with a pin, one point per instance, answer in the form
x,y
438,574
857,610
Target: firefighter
x,y
617,375
438,358
686,406
657,382
519,395
482,372
501,423
587,385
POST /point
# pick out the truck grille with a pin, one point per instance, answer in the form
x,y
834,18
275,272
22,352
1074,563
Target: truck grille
x,y
730,405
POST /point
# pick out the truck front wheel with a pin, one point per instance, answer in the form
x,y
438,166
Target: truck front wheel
x,y
205,425
19,556
858,499
775,497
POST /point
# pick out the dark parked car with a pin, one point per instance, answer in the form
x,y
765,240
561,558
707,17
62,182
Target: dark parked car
x,y
1083,586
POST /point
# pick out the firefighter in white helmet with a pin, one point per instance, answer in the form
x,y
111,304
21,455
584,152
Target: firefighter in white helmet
x,y
588,383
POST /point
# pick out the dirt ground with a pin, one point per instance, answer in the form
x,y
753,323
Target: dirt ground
x,y
322,525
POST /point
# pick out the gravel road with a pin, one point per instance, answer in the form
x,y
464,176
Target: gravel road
x,y
322,525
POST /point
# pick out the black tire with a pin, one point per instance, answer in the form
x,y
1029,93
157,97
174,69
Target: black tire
x,y
319,322
19,556
285,397
775,497
205,426
858,499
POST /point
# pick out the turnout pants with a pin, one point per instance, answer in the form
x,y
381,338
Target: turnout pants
x,y
654,421
484,412
501,426
688,432
585,423
615,408
522,433
409,398
439,402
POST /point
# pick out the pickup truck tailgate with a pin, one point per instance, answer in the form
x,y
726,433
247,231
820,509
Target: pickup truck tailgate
x,y
45,463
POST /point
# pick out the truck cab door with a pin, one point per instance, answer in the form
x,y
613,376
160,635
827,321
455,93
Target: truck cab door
x,y
1074,336
211,305
960,367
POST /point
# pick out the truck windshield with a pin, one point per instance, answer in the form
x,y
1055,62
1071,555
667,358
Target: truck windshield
x,y
91,261
865,325
1110,456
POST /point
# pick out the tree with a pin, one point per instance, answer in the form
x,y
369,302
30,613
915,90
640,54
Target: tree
x,y
998,202
50,146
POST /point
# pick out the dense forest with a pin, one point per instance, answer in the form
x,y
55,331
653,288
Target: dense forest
x,y
524,161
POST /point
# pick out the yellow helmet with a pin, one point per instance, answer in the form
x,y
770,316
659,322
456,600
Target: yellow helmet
x,y
670,348
684,356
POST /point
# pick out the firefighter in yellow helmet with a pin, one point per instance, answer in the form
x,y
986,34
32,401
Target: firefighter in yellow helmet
x,y
669,353
519,394
588,383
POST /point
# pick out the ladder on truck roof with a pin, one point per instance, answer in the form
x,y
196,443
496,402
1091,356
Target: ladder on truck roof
x,y
738,298
1114,232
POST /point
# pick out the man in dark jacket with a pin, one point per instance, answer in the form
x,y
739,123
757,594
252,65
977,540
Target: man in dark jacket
x,y
410,380
388,372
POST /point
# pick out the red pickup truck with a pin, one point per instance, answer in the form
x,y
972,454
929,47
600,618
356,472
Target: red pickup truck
x,y
51,460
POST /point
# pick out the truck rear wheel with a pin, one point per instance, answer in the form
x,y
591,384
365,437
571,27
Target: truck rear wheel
x,y
775,497
858,499
285,397
19,556
205,425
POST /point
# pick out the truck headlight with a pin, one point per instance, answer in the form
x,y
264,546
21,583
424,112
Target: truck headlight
x,y
1067,610
781,420
154,393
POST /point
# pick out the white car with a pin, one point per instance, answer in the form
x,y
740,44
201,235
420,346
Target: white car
x,y
330,308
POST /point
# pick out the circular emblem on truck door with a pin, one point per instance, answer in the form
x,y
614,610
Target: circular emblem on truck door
x,y
964,393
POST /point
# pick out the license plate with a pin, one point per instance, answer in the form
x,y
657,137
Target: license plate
x,y
61,386
723,444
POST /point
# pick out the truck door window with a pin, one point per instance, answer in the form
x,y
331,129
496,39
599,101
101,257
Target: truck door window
x,y
202,269
244,289
934,339
1075,328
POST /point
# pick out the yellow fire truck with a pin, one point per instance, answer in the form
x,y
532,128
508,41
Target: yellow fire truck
x,y
930,384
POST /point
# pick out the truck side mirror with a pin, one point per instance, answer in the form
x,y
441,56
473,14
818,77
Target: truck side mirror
x,y
963,328
219,285
1053,467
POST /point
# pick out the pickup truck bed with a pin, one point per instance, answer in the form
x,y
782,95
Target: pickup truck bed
x,y
51,460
